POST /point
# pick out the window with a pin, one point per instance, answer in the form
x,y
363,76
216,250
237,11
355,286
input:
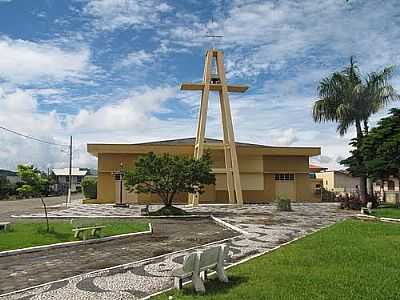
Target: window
x,y
284,176
391,185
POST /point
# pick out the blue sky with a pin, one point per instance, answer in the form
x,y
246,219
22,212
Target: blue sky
x,y
109,70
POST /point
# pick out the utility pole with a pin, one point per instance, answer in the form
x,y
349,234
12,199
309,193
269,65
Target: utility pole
x,y
70,173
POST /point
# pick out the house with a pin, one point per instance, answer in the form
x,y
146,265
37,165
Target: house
x,y
338,181
266,172
62,179
389,190
11,176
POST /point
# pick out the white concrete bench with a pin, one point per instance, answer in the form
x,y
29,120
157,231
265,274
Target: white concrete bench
x,y
85,230
4,225
367,210
199,263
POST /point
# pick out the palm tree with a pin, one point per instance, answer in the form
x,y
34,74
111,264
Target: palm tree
x,y
349,100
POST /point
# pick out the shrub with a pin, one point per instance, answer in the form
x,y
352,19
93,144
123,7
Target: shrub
x,y
350,202
168,211
89,187
284,204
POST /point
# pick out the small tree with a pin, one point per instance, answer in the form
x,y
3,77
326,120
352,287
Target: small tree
x,y
34,184
166,175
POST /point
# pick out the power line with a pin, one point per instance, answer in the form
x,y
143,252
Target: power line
x,y
32,138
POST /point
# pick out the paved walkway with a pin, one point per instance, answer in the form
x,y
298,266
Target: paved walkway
x,y
32,206
265,229
90,210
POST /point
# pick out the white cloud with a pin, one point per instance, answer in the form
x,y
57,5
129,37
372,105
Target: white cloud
x,y
23,61
136,58
285,137
19,112
132,113
113,14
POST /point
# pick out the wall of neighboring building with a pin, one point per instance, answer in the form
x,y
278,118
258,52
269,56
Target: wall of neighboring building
x,y
346,183
257,173
328,180
334,181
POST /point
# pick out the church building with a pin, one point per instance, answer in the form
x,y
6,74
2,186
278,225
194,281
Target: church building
x,y
266,172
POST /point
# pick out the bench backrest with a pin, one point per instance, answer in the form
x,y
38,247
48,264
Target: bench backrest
x,y
88,228
209,257
189,262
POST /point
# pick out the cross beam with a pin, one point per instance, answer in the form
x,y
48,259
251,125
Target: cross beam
x,y
216,82
213,87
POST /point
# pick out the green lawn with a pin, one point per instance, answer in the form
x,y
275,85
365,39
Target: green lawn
x,y
22,235
350,260
387,212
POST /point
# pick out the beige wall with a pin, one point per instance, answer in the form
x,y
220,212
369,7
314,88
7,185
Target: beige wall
x,y
338,182
328,180
257,178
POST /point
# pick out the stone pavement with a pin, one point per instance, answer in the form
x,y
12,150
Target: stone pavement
x,y
33,205
90,210
265,229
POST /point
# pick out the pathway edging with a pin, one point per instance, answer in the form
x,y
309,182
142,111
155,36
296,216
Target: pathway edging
x,y
382,219
227,225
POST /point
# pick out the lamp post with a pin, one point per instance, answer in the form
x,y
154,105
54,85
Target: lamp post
x,y
119,176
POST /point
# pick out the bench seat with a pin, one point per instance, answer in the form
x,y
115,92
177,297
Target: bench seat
x,y
93,230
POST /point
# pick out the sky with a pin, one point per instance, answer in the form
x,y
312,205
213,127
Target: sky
x,y
108,71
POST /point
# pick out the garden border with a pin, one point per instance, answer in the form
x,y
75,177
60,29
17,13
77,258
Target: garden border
x,y
382,219
106,216
74,243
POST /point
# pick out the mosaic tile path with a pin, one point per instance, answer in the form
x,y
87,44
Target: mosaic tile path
x,y
266,229
84,210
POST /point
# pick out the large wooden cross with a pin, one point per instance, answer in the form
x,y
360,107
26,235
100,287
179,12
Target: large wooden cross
x,y
217,82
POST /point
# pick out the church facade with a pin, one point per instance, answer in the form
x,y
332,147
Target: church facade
x,y
266,172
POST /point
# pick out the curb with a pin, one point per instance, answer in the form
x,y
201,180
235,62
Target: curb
x,y
382,219
227,225
107,216
74,243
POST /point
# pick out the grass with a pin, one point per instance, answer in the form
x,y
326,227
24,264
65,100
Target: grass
x,y
350,260
389,212
22,235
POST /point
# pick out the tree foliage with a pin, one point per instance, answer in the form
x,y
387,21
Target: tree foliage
x,y
89,188
349,100
381,148
34,184
5,187
166,175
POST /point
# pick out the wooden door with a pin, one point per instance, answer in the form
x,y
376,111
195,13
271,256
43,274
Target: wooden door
x,y
285,186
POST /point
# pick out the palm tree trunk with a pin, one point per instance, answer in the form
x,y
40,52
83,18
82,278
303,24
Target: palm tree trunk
x,y
363,178
365,127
